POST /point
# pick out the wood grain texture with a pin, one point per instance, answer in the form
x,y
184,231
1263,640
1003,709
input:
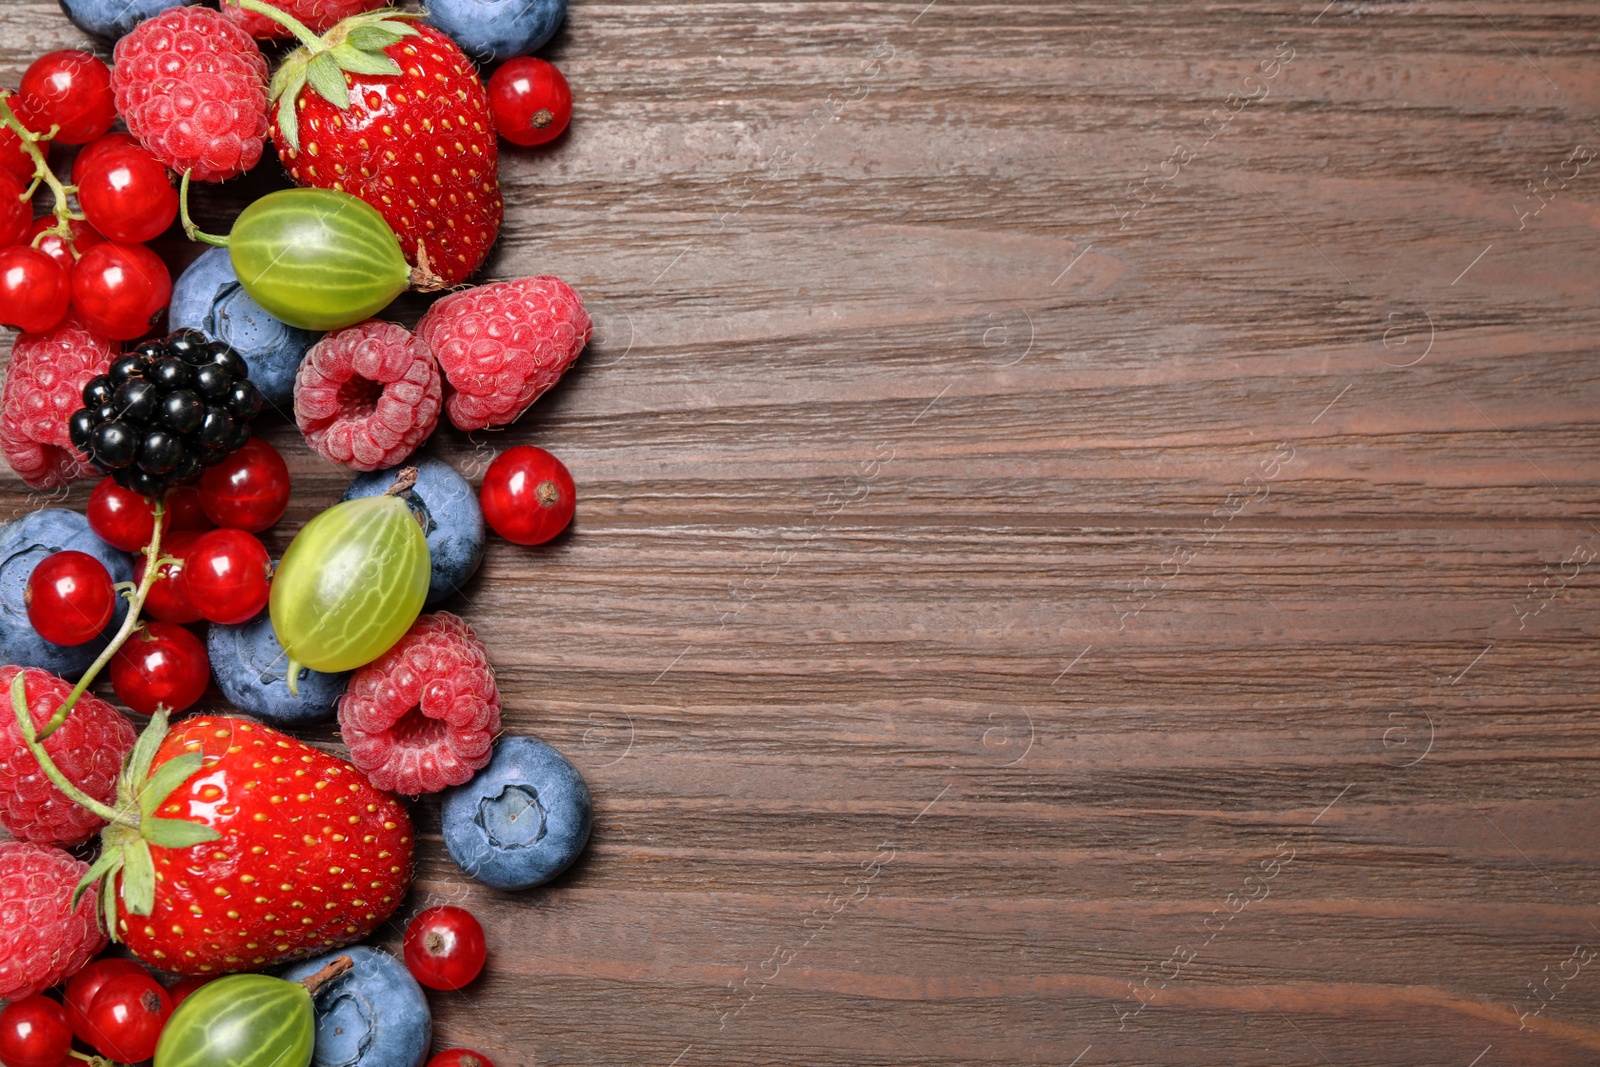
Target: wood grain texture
x,y
1029,495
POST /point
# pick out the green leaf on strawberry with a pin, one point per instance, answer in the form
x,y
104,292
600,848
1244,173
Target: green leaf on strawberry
x,y
355,45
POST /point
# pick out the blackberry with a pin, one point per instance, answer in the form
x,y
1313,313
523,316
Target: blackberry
x,y
166,411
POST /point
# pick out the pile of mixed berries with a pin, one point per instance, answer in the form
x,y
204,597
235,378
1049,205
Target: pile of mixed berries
x,y
237,866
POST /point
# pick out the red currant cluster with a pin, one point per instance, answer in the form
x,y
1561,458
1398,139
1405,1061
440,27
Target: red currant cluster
x,y
215,569
219,575
91,260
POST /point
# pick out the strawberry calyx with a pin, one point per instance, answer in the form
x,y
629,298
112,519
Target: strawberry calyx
x,y
356,46
131,824
125,842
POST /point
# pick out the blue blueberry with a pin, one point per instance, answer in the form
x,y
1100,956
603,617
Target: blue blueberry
x,y
450,515
111,19
23,544
208,297
373,1015
522,820
250,666
493,30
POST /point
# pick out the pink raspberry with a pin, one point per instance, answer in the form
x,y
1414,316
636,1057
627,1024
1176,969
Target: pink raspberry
x,y
43,388
503,344
43,938
423,715
318,15
367,395
192,87
88,748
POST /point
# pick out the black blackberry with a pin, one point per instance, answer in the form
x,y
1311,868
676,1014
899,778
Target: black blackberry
x,y
166,411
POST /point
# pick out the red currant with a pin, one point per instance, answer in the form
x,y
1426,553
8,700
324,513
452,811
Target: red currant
x,y
120,517
34,290
167,599
530,101
12,157
71,90
126,194
225,576
58,248
88,153
249,490
69,598
527,495
34,1033
162,665
180,990
460,1057
16,212
444,947
85,984
183,505
120,289
127,1015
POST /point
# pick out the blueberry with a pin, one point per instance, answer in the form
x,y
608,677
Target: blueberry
x,y
493,30
249,666
374,1015
111,19
23,544
207,297
522,820
450,517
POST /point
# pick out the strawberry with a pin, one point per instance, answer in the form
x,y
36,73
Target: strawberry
x,y
393,112
233,847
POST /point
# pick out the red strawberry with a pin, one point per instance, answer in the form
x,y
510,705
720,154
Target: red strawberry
x,y
396,114
192,87
239,847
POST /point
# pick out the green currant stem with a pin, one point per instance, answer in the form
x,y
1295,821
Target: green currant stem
x,y
65,216
194,232
19,705
301,32
152,570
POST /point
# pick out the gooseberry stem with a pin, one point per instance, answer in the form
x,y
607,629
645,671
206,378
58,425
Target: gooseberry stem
x,y
29,140
194,232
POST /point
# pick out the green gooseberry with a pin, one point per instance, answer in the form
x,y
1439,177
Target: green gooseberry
x,y
350,584
242,1020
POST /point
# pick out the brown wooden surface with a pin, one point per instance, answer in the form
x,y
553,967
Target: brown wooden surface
x,y
915,518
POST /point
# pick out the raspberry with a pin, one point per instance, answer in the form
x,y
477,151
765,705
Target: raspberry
x,y
43,388
501,345
88,748
368,395
423,715
192,87
318,15
43,938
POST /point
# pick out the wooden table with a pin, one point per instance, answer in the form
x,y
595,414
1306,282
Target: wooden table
x,y
1086,547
